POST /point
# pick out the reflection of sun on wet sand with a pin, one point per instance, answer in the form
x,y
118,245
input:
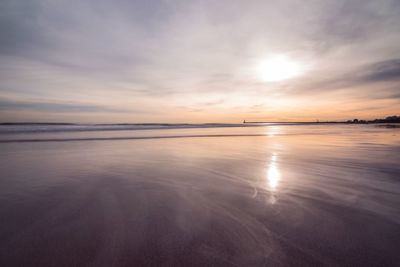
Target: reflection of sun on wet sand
x,y
273,173
273,177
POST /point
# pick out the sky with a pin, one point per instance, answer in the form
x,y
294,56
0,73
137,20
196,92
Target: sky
x,y
198,61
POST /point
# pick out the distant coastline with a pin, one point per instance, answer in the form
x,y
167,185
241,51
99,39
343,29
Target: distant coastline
x,y
389,119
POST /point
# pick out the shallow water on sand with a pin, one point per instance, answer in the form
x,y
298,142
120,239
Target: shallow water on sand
x,y
297,195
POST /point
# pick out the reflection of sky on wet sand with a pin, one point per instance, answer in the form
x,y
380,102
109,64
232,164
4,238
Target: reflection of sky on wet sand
x,y
304,196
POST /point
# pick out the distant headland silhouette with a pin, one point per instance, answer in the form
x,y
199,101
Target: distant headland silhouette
x,y
390,119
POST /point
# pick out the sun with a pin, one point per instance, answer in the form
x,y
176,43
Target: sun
x,y
277,68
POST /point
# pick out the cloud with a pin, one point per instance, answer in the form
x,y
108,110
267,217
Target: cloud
x,y
367,81
55,107
381,71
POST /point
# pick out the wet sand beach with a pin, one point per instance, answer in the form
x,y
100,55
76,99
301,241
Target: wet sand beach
x,y
283,195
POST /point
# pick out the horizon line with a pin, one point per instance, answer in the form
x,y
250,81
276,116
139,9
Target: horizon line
x,y
188,123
